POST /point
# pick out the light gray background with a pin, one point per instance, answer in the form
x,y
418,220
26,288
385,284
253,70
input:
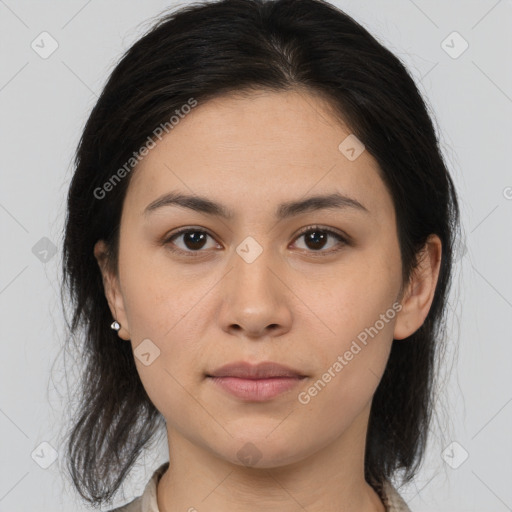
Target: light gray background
x,y
44,104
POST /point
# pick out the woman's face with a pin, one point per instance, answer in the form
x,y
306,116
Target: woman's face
x,y
252,286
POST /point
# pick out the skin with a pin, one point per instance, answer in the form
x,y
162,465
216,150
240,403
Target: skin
x,y
289,305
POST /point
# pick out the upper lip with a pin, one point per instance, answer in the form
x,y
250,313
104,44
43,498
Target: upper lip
x,y
245,370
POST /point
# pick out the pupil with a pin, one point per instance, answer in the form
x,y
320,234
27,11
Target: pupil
x,y
318,239
194,238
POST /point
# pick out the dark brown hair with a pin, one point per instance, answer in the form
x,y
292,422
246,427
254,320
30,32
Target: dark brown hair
x,y
206,50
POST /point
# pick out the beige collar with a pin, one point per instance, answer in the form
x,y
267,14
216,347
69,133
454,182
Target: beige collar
x,y
147,502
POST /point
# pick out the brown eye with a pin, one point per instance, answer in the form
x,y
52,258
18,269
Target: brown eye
x,y
192,241
316,239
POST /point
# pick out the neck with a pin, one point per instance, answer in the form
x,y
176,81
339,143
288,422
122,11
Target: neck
x,y
331,478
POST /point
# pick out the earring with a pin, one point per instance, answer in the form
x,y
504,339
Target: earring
x,y
115,325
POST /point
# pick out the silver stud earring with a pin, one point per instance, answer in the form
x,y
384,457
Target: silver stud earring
x,y
115,325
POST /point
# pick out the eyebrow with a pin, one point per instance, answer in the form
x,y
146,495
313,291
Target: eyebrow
x,y
284,210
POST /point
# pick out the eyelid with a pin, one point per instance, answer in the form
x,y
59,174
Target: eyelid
x,y
342,237
332,231
168,238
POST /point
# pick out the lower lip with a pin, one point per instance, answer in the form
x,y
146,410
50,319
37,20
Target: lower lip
x,y
256,390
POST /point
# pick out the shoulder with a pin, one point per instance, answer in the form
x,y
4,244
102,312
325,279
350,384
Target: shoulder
x,y
146,502
133,506
391,498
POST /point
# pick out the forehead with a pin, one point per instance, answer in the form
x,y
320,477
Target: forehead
x,y
261,147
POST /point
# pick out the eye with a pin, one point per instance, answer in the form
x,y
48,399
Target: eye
x,y
195,239
316,238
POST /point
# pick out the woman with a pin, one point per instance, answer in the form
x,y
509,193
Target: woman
x,y
258,249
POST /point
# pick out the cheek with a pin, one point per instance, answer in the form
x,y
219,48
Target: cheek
x,y
155,295
169,317
358,314
165,306
351,366
358,351
352,299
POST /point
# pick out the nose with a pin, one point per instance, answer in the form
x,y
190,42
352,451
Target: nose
x,y
255,298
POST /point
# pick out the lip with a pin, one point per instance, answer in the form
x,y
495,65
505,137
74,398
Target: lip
x,y
264,370
256,390
256,383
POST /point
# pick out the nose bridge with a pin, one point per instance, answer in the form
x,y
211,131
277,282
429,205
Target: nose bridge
x,y
252,267
253,297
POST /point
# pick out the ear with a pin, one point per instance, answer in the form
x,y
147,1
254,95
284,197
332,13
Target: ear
x,y
112,289
420,291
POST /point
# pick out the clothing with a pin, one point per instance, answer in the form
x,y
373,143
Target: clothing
x,y
147,501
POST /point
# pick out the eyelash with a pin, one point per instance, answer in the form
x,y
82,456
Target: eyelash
x,y
195,254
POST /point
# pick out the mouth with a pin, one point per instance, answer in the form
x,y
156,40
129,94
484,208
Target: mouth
x,y
256,383
245,370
